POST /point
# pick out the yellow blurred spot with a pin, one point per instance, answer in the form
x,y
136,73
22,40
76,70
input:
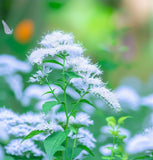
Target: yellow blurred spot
x,y
23,32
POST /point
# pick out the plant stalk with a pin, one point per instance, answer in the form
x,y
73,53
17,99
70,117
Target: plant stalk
x,y
77,104
52,91
113,148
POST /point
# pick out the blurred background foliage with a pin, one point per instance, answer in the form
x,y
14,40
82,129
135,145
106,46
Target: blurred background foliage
x,y
117,34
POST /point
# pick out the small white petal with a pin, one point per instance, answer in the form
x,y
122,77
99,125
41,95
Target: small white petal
x,y
7,30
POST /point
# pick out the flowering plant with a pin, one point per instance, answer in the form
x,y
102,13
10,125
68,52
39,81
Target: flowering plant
x,y
59,52
61,128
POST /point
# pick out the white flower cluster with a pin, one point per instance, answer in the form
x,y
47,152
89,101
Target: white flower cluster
x,y
140,142
128,97
9,68
54,44
20,126
40,74
104,149
9,65
131,99
18,148
57,43
86,138
80,119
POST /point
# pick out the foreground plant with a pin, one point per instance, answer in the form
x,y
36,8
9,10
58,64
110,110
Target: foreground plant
x,y
63,128
59,52
116,149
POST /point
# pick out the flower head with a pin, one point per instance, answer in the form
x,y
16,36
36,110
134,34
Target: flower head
x,y
60,48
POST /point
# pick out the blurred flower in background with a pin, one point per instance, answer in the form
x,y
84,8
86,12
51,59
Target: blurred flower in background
x,y
24,31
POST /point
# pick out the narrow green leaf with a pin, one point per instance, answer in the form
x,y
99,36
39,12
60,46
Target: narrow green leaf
x,y
74,113
32,133
121,137
58,84
52,61
86,149
86,101
53,142
111,121
47,93
122,119
72,75
59,80
73,129
48,105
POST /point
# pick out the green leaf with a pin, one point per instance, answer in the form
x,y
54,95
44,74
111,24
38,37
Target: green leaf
x,y
121,137
72,75
47,93
61,148
122,119
86,101
48,105
114,133
86,149
8,158
53,142
69,149
76,152
111,121
110,148
105,157
32,133
144,157
52,61
74,130
74,113
58,84
119,156
59,80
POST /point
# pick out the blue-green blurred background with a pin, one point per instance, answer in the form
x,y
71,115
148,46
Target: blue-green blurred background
x,y
117,34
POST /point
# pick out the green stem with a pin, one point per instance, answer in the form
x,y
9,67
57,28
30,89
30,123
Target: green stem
x,y
77,104
52,91
64,87
65,105
113,148
74,144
